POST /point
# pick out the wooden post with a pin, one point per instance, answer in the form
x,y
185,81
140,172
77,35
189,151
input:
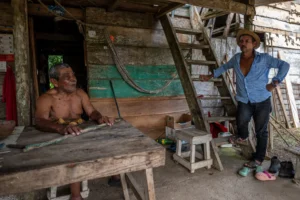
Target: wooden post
x,y
33,59
21,61
248,19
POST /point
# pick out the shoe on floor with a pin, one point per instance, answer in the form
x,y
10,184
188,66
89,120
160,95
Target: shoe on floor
x,y
286,169
275,165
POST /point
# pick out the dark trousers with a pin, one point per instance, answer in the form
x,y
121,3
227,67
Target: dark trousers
x,y
261,114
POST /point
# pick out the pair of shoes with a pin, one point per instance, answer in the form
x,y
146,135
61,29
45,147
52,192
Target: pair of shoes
x,y
286,169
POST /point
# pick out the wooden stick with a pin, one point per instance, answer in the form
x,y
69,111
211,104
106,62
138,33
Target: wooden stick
x,y
279,133
285,128
60,139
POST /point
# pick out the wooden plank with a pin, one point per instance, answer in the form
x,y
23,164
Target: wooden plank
x,y
294,8
283,107
112,151
33,59
142,106
183,72
113,5
169,8
39,10
100,54
286,41
267,2
130,36
292,102
213,14
123,90
187,31
294,18
275,24
21,61
230,6
283,6
228,23
57,37
201,62
193,46
275,13
6,17
121,18
182,12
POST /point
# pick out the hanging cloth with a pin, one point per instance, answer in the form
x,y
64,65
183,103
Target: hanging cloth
x,y
9,94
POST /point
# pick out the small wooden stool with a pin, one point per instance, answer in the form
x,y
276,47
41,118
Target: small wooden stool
x,y
193,137
52,193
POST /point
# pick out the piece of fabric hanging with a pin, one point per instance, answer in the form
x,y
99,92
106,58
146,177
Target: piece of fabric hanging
x,y
9,95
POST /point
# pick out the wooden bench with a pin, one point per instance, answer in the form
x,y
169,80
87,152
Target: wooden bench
x,y
194,137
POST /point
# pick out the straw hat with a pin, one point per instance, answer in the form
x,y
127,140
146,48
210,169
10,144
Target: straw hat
x,y
246,32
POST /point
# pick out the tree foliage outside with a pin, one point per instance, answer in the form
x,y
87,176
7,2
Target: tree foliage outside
x,y
53,60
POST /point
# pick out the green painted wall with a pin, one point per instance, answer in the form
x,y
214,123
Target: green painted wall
x,y
147,77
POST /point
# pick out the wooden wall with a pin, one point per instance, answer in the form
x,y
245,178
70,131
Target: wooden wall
x,y
6,23
142,47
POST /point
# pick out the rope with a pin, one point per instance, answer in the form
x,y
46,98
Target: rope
x,y
124,73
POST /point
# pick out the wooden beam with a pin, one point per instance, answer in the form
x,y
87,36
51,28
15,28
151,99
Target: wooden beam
x,y
283,107
33,59
229,6
113,5
39,10
228,23
267,2
57,37
183,72
168,9
6,17
213,14
21,49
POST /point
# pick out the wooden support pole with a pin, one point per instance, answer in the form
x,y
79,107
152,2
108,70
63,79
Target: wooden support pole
x,y
21,61
33,58
248,19
228,23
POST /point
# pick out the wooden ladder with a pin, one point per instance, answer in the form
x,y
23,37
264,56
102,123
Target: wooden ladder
x,y
201,41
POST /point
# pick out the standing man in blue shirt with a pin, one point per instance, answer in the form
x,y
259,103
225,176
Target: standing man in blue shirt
x,y
253,90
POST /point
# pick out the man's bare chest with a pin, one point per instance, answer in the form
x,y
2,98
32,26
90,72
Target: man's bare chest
x,y
66,108
245,65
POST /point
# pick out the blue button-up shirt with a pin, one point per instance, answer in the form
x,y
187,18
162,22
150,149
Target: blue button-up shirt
x,y
253,86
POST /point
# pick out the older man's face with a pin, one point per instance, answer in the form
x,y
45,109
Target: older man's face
x,y
246,43
67,80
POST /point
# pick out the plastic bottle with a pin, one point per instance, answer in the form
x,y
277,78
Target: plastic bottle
x,y
165,141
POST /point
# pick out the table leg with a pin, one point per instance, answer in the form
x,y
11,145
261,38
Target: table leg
x,y
125,187
150,184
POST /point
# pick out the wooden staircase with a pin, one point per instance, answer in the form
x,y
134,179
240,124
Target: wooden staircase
x,y
201,41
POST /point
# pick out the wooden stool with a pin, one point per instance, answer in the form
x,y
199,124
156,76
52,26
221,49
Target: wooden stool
x,y
52,194
193,137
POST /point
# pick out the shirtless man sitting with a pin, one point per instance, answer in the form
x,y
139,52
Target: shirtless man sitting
x,y
65,102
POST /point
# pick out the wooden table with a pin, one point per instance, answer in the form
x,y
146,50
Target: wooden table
x,y
119,149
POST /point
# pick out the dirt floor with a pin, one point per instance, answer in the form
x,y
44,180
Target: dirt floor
x,y
174,182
